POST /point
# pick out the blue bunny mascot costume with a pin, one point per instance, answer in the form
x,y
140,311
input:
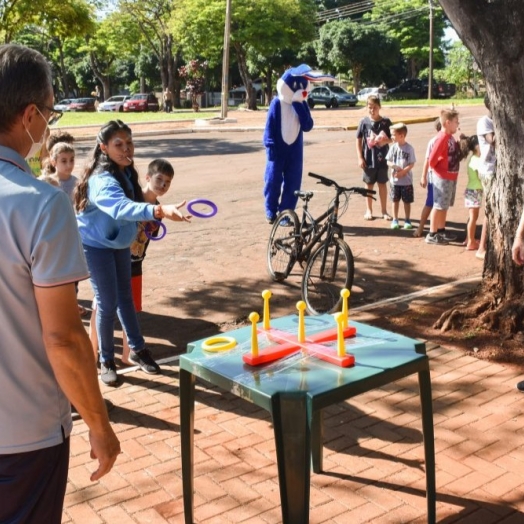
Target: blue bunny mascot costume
x,y
288,117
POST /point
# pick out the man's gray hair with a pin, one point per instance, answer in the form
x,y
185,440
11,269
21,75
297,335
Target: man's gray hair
x,y
25,78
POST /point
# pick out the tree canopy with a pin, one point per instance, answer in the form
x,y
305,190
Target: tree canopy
x,y
364,51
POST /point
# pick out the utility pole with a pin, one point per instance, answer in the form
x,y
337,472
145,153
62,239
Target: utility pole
x,y
225,62
430,76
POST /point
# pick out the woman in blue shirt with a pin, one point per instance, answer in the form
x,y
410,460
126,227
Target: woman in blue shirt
x,y
109,203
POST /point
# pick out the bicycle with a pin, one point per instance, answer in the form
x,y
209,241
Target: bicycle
x,y
317,243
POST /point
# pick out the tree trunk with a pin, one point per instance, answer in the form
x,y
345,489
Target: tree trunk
x,y
104,79
63,70
269,85
356,71
492,31
251,98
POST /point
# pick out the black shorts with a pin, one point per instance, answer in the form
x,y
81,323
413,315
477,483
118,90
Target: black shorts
x,y
33,485
404,193
372,175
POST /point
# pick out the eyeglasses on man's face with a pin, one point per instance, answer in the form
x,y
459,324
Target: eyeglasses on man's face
x,y
54,115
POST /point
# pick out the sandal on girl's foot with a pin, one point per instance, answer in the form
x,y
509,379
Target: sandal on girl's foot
x,y
368,216
387,216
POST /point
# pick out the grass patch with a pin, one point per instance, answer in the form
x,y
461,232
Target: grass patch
x,y
86,119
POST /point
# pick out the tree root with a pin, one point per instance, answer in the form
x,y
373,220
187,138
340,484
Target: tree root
x,y
454,318
487,311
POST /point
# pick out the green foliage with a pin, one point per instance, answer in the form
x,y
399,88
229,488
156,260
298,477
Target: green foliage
x,y
350,47
408,22
265,27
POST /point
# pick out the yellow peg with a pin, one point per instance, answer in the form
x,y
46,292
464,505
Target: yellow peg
x,y
254,318
341,346
301,306
345,305
266,295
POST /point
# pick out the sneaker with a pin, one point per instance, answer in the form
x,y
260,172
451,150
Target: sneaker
x,y
285,222
448,237
407,224
520,386
144,361
108,373
394,224
270,220
436,239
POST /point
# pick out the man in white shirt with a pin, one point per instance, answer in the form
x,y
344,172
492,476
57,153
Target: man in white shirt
x,y
47,359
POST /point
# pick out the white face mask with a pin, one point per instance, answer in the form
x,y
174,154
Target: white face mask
x,y
36,146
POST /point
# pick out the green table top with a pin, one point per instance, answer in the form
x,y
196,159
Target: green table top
x,y
380,357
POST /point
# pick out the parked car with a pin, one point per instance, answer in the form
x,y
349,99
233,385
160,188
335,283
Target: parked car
x,y
417,88
363,94
114,103
142,102
63,105
331,96
82,104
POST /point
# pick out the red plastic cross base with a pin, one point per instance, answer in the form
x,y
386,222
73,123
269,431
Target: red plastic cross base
x,y
291,345
329,354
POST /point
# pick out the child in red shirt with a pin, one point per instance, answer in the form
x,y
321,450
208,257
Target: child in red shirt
x,y
444,162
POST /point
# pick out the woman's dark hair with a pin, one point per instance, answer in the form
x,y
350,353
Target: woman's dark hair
x,y
100,162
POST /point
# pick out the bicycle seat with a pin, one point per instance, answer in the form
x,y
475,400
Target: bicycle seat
x,y
304,195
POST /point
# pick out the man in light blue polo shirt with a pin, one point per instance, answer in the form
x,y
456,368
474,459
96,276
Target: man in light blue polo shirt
x,y
45,353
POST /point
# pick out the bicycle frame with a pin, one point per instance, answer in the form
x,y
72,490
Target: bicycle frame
x,y
329,226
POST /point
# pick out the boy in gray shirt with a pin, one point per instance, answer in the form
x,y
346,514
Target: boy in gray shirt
x,y
401,159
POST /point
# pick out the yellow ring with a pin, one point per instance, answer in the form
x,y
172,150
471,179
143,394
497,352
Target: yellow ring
x,y
215,344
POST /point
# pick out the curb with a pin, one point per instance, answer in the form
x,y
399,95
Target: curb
x,y
236,129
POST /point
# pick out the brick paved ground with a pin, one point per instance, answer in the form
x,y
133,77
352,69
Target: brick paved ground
x,y
374,469
374,466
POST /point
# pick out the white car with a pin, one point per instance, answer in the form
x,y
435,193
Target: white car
x,y
363,94
63,105
115,103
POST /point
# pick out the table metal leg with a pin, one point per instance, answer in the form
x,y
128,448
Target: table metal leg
x,y
429,442
293,447
317,441
187,423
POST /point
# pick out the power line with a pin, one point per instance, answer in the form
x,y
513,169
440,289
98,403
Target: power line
x,y
365,6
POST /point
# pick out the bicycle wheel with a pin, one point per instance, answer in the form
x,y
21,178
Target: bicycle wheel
x,y
282,245
329,269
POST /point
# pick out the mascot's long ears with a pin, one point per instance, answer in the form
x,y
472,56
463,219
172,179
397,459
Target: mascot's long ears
x,y
310,74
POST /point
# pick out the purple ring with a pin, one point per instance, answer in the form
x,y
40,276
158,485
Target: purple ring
x,y
204,202
158,237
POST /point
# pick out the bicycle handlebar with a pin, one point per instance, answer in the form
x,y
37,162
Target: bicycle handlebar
x,y
328,182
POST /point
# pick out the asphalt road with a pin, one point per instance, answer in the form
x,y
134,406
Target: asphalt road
x,y
210,273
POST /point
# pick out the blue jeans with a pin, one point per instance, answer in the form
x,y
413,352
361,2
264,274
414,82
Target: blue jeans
x,y
110,276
